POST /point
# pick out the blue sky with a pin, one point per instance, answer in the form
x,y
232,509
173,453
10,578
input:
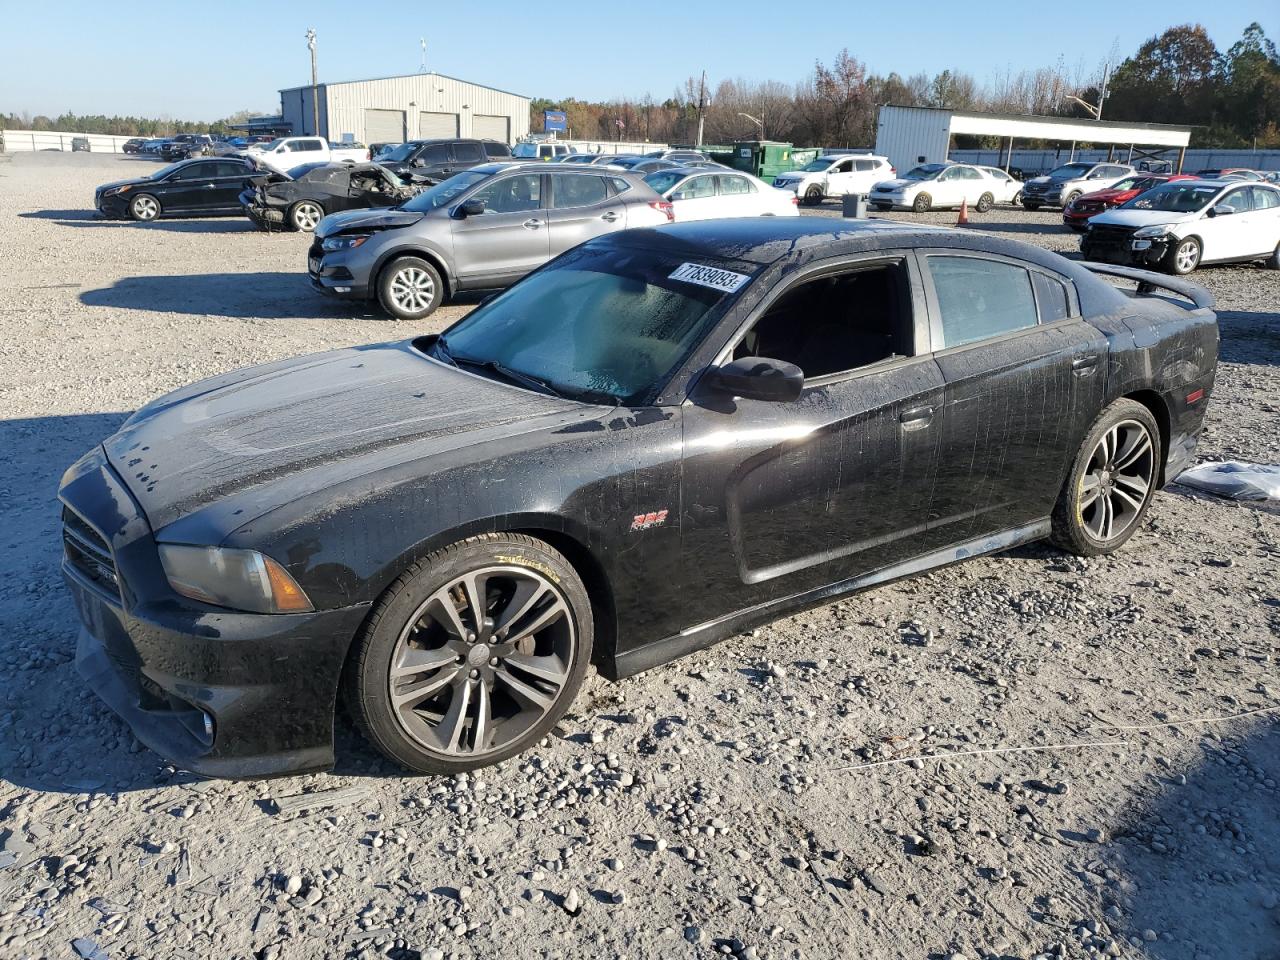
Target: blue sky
x,y
152,59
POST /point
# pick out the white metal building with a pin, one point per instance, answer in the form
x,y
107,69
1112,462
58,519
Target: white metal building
x,y
413,107
912,135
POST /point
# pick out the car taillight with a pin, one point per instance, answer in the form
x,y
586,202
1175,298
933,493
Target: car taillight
x,y
795,201
663,207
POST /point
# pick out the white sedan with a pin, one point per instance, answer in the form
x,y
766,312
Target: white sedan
x,y
1007,189
936,186
701,194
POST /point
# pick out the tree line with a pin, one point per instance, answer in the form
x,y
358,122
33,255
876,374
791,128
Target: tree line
x,y
1180,76
1232,97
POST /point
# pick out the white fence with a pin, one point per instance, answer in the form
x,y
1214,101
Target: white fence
x,y
1200,158
30,141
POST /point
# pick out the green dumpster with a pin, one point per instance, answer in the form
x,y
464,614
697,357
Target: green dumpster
x,y
768,158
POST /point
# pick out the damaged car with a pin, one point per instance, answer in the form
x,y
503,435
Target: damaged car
x,y
660,439
301,198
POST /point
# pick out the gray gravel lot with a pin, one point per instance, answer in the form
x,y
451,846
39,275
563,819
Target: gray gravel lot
x,y
717,806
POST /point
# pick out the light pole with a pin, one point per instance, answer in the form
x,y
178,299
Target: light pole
x,y
758,123
315,103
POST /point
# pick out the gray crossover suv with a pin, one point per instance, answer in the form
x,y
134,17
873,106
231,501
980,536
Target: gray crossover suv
x,y
481,229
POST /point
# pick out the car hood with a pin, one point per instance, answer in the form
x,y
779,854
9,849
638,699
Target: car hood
x,y
1110,196
250,437
898,184
1140,218
132,182
379,219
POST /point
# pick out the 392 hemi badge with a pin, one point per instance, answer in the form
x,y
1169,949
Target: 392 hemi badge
x,y
643,521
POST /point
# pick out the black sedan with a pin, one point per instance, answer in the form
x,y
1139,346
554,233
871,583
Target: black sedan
x,y
301,198
199,187
453,529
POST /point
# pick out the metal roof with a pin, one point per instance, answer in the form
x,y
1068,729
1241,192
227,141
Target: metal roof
x,y
1028,126
403,76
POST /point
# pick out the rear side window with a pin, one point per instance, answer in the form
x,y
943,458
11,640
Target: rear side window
x,y
494,149
576,190
230,168
864,165
1051,297
735,185
1265,199
979,299
620,185
468,152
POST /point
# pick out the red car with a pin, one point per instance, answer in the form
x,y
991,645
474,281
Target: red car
x,y
1077,213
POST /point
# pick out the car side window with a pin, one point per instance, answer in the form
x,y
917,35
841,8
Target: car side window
x,y
230,168
515,194
836,323
468,152
1051,298
730,186
1237,200
695,188
435,153
620,185
1265,199
863,166
979,299
576,190
196,171
844,166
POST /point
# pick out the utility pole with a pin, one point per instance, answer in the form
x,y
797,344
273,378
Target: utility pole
x,y
1102,91
423,67
702,106
315,103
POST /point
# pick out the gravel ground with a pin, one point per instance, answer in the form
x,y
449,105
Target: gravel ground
x,y
721,805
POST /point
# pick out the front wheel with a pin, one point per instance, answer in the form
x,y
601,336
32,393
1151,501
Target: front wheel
x,y
1183,256
922,203
1071,198
144,207
410,288
304,215
1111,482
985,203
814,196
472,655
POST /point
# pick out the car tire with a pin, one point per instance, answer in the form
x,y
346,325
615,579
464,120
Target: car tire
x,y
410,288
1273,261
985,203
304,215
1030,205
922,203
441,690
1071,198
813,197
882,207
1017,198
144,208
1112,480
1183,256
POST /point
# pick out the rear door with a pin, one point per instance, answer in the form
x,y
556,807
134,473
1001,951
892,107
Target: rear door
x,y
434,160
468,154
738,196
230,178
1024,380
510,238
582,207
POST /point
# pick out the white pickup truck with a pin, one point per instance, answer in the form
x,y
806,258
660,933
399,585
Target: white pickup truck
x,y
285,153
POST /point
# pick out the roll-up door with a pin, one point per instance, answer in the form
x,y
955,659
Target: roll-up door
x,y
434,125
491,128
384,126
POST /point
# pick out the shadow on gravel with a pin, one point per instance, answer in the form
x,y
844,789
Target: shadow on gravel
x,y
266,296
78,216
91,218
1249,337
1199,863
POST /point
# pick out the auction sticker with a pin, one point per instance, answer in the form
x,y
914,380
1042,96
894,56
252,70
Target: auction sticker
x,y
713,277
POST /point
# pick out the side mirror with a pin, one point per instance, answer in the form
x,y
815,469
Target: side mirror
x,y
470,208
1221,210
758,378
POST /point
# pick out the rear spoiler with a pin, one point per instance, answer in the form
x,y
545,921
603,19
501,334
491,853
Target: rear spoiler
x,y
1148,282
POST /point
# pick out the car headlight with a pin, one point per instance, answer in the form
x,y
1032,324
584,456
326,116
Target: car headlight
x,y
1150,233
238,579
114,191
343,243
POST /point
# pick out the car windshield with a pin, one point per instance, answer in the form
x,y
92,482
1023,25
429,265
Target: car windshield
x,y
1070,171
444,193
398,154
627,162
925,172
1129,183
664,180
601,323
816,166
274,143
1180,197
525,150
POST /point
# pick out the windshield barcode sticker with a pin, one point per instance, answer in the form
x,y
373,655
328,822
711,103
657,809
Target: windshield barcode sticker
x,y
712,277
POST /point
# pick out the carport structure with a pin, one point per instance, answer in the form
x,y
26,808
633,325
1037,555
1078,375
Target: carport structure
x,y
913,135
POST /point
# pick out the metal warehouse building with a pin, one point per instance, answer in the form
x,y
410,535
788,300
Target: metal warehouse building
x,y
412,107
913,135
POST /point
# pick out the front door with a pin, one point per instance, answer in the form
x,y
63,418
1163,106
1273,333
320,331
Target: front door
x,y
840,178
189,188
1025,377
781,498
509,239
581,208
1226,235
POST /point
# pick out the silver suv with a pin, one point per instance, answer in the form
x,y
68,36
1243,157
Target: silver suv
x,y
1069,181
479,230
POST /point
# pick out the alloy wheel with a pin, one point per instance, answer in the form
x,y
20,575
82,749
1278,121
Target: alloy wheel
x,y
482,661
412,289
1117,480
145,208
306,216
1187,256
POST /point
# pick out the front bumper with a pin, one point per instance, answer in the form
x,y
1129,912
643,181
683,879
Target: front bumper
x,y
1126,250
894,200
217,692
330,275
112,207
1044,199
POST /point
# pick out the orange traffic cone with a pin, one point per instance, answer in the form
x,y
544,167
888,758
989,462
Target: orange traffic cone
x,y
963,219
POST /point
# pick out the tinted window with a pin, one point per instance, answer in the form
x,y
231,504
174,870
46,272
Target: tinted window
x,y
622,186
195,171
864,165
978,298
230,168
574,190
736,185
444,193
495,149
836,323
512,194
1051,296
1264,199
468,153
435,153
844,166
695,188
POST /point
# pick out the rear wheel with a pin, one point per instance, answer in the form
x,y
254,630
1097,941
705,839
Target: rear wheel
x,y
472,655
410,288
922,203
985,203
1183,256
144,207
1273,261
1111,483
304,215
813,196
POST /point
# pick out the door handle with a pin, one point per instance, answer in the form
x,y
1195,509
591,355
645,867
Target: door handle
x,y
532,224
916,417
1084,365
610,216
